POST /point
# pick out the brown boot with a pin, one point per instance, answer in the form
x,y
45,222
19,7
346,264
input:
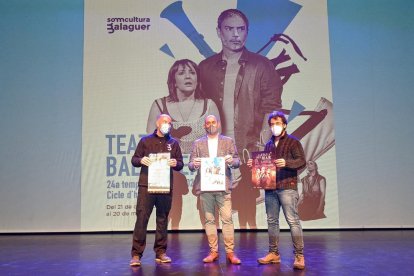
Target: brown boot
x,y
270,258
232,258
213,256
299,262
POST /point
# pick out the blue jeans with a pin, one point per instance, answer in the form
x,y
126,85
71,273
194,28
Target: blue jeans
x,y
288,200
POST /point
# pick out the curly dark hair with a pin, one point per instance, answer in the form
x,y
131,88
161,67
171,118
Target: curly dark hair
x,y
277,114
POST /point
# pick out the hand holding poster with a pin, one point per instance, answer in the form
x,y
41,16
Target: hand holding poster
x,y
213,174
159,173
263,171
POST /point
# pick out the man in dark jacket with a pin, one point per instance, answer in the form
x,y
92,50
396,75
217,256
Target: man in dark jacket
x,y
288,157
245,86
158,142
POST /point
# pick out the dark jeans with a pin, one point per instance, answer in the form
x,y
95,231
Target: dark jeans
x,y
145,204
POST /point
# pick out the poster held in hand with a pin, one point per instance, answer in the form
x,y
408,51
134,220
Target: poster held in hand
x,y
263,170
213,174
159,173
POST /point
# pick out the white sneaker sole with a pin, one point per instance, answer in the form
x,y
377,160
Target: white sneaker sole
x,y
161,261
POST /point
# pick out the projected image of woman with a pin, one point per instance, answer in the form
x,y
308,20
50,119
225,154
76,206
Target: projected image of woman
x,y
311,204
184,103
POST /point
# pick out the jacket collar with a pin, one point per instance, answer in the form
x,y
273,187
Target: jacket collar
x,y
205,137
281,138
166,137
243,58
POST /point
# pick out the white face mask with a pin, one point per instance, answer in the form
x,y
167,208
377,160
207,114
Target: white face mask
x,y
277,130
165,129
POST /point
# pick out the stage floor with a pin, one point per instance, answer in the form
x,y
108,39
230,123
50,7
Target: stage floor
x,y
369,252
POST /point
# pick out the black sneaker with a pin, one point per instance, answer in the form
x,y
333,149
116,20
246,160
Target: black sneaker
x,y
163,258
